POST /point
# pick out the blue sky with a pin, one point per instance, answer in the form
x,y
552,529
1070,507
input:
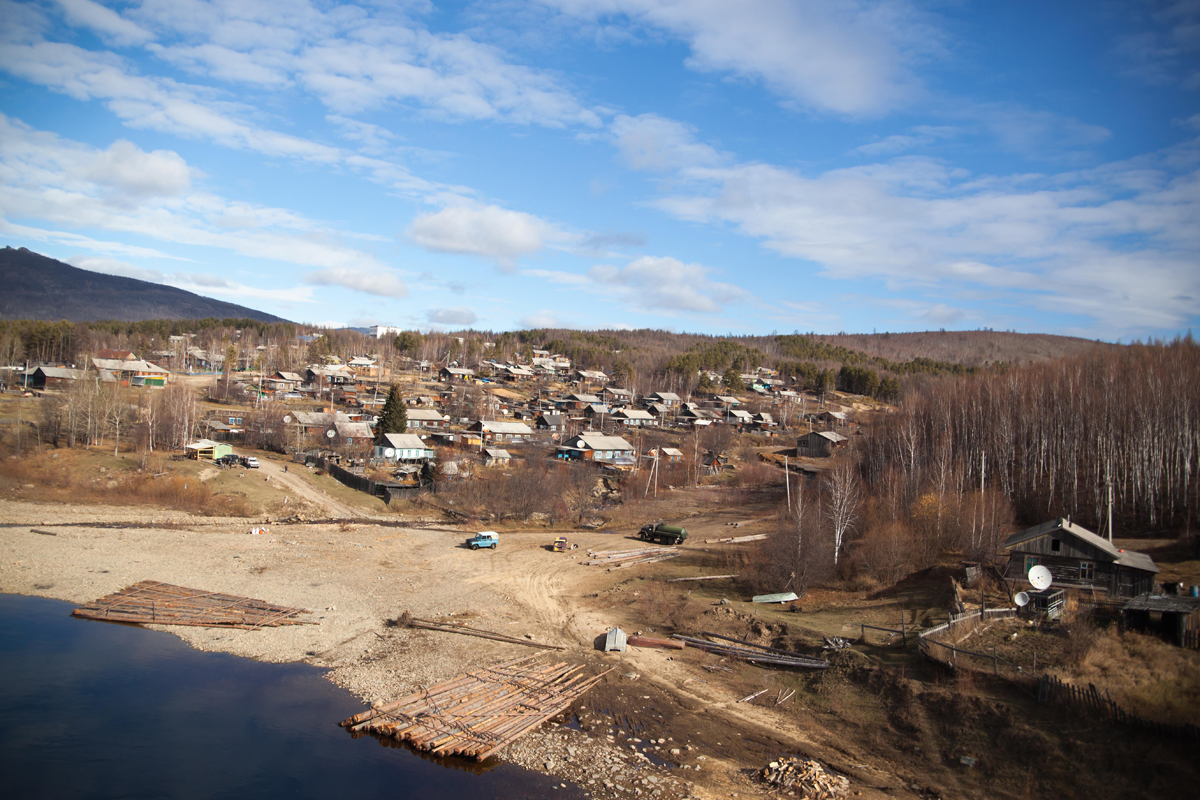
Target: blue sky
x,y
691,165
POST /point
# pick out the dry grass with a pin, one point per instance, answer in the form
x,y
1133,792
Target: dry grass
x,y
1145,675
88,477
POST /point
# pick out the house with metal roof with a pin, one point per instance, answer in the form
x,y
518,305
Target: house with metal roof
x,y
550,422
593,446
496,457
451,374
1076,557
402,447
635,417
427,418
53,377
665,398
819,444
491,430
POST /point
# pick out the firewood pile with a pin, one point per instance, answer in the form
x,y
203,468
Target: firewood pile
x,y
804,778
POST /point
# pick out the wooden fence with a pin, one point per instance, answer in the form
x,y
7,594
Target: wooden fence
x,y
1191,640
959,628
1051,689
388,491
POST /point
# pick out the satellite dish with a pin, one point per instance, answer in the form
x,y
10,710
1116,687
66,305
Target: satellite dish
x,y
1021,599
330,434
389,452
287,419
1040,577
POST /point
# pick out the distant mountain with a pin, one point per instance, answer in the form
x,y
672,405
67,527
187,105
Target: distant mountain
x,y
38,287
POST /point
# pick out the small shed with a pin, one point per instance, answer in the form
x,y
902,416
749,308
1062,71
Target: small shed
x,y
819,444
1174,617
496,457
208,450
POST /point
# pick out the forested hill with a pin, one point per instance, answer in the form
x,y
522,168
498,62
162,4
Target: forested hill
x,y
38,287
971,348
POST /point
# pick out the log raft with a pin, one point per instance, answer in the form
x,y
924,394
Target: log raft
x,y
479,713
154,603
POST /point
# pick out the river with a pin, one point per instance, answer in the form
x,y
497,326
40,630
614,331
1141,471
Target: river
x,y
102,710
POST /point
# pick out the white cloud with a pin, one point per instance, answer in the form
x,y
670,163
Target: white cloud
x,y
848,58
113,266
655,143
381,283
658,283
69,184
451,316
1117,243
198,283
487,231
543,319
104,21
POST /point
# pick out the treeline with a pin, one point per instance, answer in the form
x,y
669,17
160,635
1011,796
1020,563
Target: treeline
x,y
1053,437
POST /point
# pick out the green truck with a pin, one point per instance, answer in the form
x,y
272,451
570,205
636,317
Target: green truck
x,y
663,534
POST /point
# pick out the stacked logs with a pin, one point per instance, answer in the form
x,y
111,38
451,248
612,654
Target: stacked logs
x,y
151,602
804,778
615,559
478,713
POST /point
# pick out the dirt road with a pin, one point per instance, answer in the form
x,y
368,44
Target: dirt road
x,y
274,471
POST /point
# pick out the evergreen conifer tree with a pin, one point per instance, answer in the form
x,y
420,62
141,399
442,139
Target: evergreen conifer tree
x,y
394,418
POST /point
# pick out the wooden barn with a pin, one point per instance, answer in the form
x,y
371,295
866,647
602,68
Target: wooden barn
x,y
1076,557
1174,617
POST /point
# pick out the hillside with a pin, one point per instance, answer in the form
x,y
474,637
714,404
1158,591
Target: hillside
x,y
972,348
38,287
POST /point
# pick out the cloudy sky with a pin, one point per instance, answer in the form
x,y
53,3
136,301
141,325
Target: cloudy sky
x,y
698,165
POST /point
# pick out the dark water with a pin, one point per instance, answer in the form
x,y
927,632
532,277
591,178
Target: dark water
x,y
98,710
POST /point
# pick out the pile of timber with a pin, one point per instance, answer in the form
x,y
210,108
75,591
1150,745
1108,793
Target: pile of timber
x,y
615,559
754,653
801,777
480,712
151,602
754,537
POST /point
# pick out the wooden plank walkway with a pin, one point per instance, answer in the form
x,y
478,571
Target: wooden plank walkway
x,y
480,712
154,603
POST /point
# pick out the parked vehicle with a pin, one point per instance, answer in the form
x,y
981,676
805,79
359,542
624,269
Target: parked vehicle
x,y
225,462
252,462
663,534
484,539
561,545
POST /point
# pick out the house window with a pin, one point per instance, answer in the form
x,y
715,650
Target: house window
x,y
235,420
1030,562
1055,545
607,455
1087,571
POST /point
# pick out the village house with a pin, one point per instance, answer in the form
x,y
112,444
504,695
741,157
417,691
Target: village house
x,y
634,417
285,382
590,376
452,374
660,411
739,417
593,446
495,457
764,420
364,367
490,430
668,399
1078,558
513,374
819,444
427,418
323,377
595,411
614,396
835,418
671,455
727,401
550,422
133,372
350,434
52,377
402,447
577,401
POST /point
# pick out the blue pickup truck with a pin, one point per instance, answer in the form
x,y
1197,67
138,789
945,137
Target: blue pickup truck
x,y
484,539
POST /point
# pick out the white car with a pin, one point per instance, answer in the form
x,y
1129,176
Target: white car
x,y
252,462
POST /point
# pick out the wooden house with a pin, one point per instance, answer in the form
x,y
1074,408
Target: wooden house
x,y
593,446
496,457
490,430
819,444
53,377
407,447
427,418
1078,558
634,417
550,422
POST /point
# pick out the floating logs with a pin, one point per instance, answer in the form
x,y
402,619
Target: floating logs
x,y
154,603
478,713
